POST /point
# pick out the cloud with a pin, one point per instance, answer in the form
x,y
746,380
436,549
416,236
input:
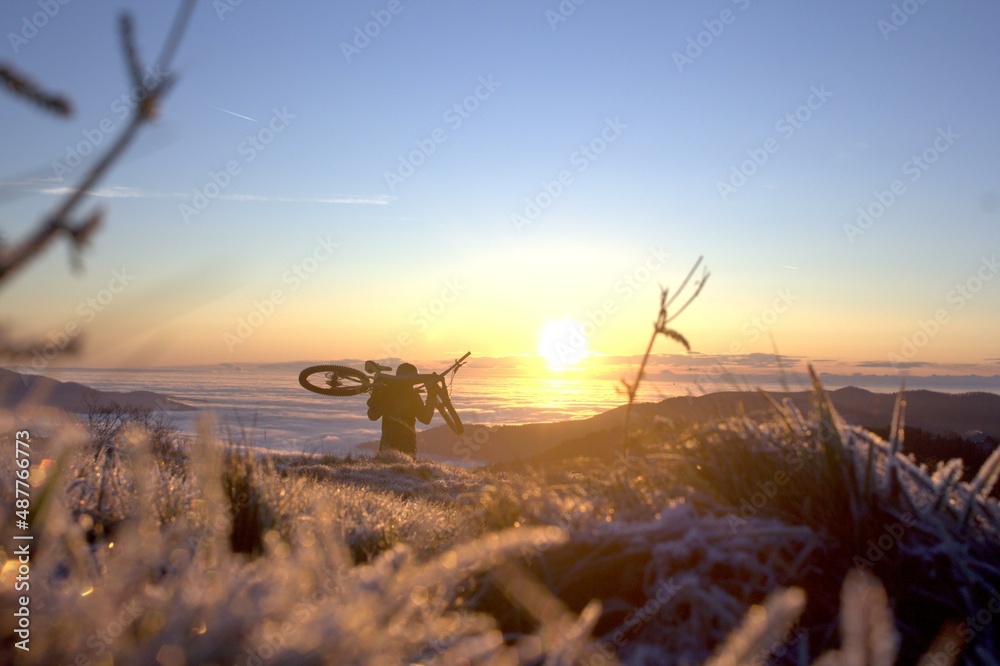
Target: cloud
x,y
233,113
19,187
903,365
112,192
694,359
43,186
512,362
945,369
990,383
28,182
381,200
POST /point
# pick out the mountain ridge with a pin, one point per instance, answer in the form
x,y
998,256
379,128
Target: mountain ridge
x,y
19,390
932,411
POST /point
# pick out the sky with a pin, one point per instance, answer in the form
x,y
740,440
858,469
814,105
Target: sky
x,y
421,179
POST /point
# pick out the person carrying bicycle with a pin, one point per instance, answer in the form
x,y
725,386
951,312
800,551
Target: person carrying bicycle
x,y
399,405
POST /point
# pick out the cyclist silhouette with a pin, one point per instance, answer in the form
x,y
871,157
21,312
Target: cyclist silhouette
x,y
399,405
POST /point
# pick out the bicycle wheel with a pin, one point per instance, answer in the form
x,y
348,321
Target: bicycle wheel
x,y
338,380
443,404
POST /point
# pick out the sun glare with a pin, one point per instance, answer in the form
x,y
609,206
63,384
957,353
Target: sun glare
x,y
562,343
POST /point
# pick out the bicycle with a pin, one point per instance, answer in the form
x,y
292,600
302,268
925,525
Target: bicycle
x,y
341,380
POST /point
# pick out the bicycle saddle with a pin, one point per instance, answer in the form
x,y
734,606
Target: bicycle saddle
x,y
372,366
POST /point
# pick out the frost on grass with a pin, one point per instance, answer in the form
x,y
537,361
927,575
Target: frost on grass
x,y
796,540
146,590
679,538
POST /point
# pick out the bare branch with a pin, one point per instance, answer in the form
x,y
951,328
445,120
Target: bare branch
x,y
698,287
684,283
128,46
660,328
677,337
58,222
80,235
173,41
21,86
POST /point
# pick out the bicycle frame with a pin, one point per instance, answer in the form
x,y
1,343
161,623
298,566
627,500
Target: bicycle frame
x,y
380,375
344,381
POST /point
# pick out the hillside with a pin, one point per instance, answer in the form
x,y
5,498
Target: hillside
x,y
931,411
19,390
750,542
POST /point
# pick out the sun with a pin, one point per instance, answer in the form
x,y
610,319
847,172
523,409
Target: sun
x,y
562,343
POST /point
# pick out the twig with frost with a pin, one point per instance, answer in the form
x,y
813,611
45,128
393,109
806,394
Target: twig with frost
x,y
662,327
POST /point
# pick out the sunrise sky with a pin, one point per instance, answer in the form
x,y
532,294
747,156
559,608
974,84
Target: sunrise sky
x,y
480,176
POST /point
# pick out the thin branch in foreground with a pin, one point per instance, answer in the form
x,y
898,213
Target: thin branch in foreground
x,y
60,221
29,351
661,327
21,86
131,52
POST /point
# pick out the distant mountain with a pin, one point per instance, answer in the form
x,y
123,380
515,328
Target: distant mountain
x,y
20,390
933,412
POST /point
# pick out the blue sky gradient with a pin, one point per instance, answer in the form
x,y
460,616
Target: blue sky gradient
x,y
870,94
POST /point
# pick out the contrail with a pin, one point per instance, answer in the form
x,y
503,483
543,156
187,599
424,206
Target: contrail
x,y
233,113
794,268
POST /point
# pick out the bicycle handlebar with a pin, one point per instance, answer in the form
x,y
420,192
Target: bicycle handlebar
x,y
457,364
425,378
